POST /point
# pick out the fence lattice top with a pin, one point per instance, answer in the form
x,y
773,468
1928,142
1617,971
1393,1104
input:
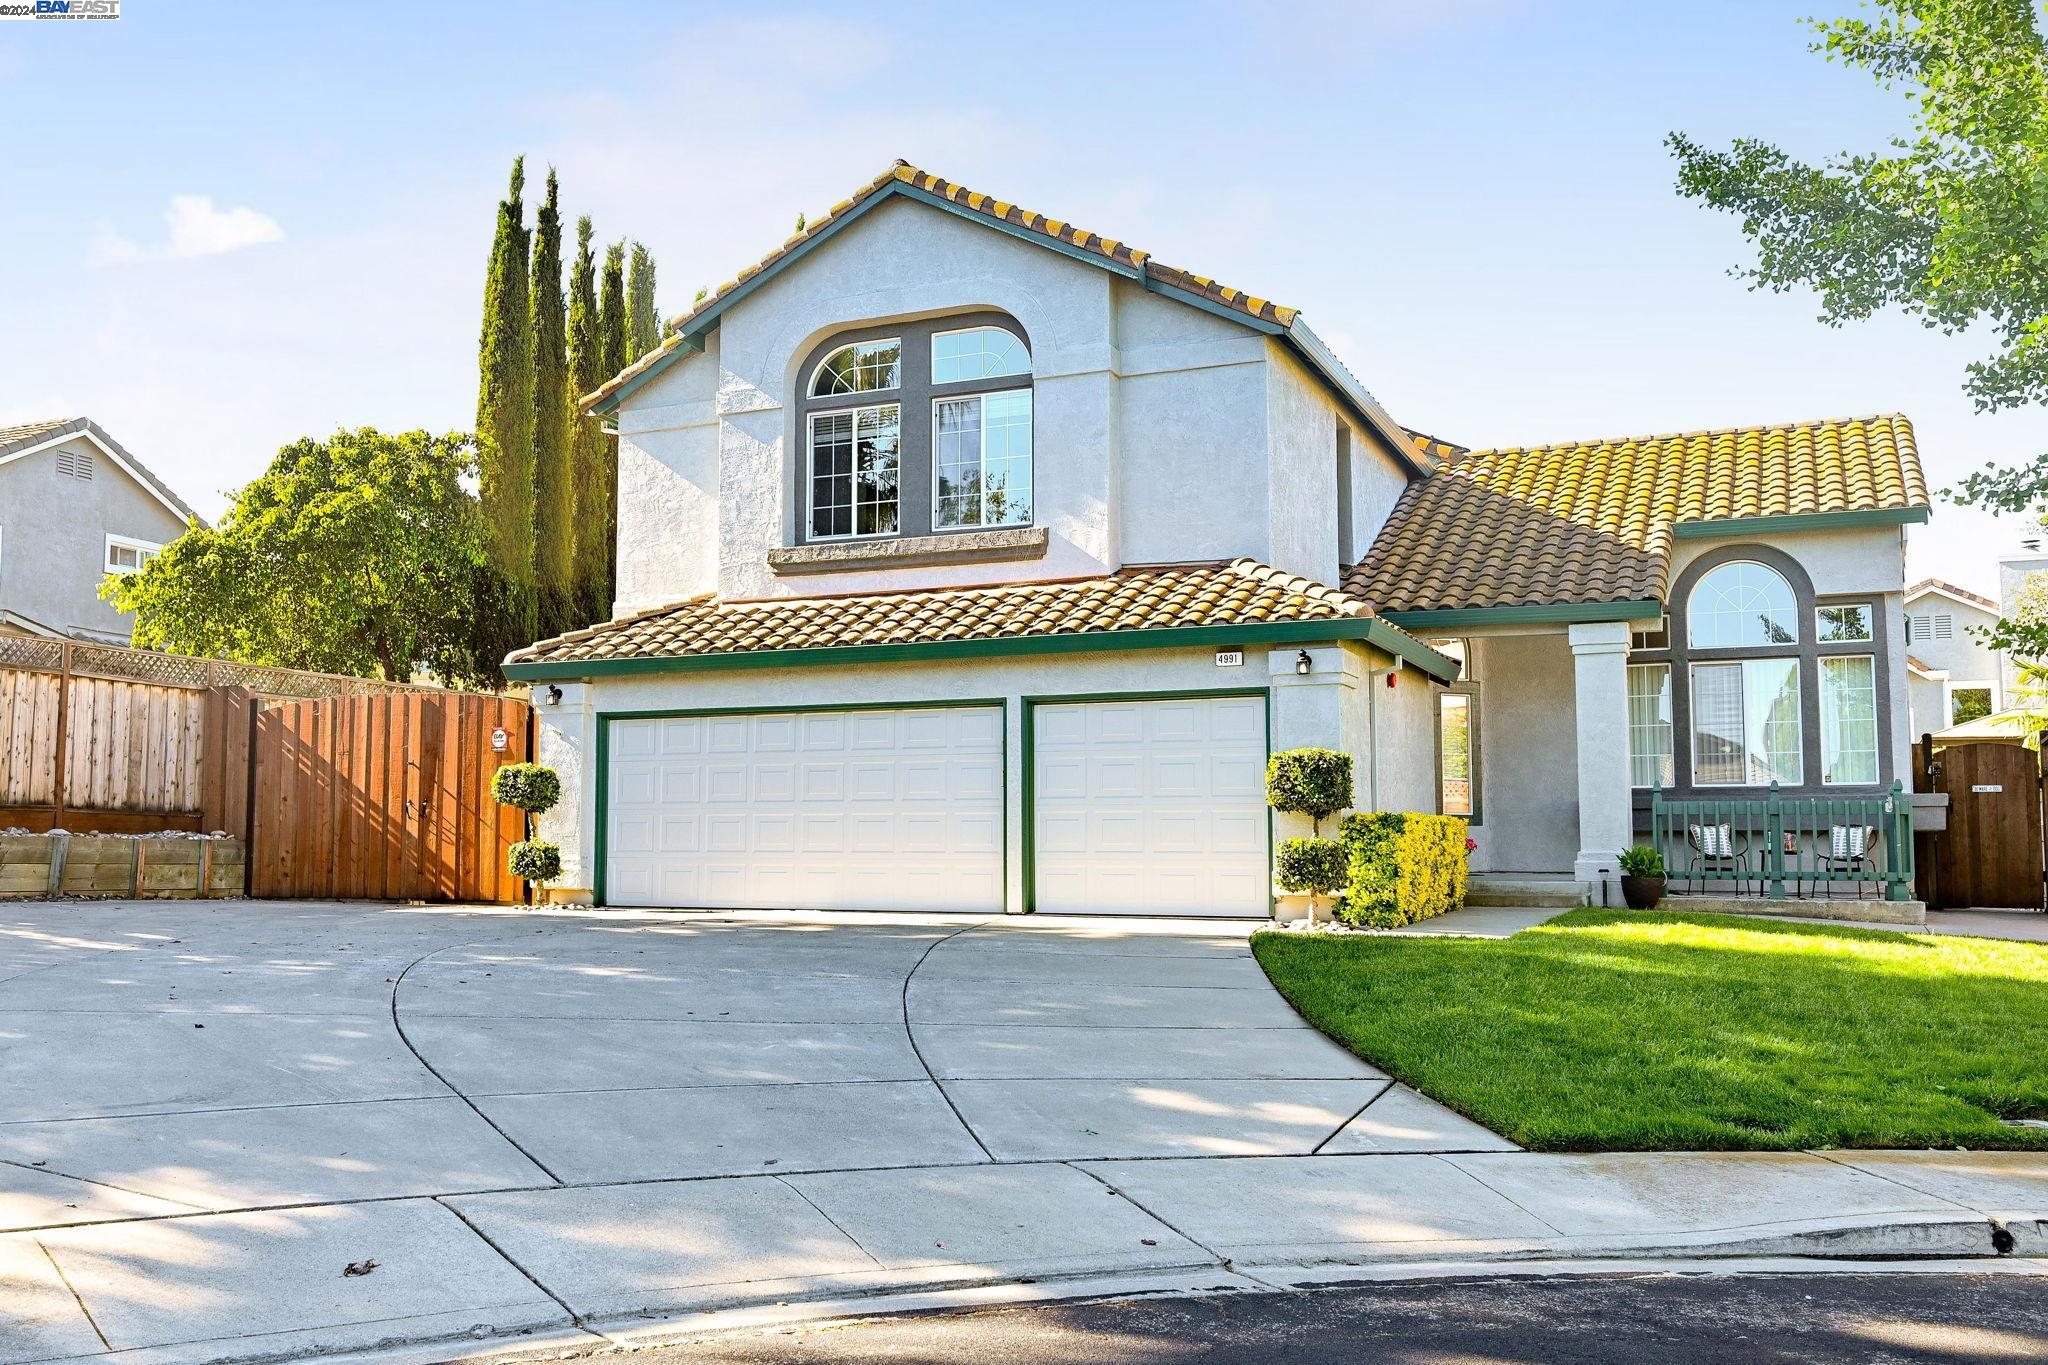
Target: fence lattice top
x,y
179,670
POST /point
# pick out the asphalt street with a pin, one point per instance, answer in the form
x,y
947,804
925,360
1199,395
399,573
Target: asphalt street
x,y
1852,1319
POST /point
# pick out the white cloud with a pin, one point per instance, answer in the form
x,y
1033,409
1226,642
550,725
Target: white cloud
x,y
196,228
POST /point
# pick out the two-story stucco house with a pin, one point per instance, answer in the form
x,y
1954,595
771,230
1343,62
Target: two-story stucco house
x,y
75,506
1955,676
970,560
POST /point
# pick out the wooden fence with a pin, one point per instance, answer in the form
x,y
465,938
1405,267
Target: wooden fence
x,y
386,798
125,741
340,786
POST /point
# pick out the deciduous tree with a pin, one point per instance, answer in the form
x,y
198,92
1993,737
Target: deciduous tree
x,y
357,554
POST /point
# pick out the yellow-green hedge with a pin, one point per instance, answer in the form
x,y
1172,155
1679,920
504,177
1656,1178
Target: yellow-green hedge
x,y
1404,867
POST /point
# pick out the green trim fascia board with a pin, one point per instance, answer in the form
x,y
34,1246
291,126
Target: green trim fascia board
x,y
1559,613
691,343
601,835
1367,628
1359,397
1209,305
1021,233
1806,521
1032,702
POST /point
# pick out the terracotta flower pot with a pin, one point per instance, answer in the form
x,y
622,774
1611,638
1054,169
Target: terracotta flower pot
x,y
1642,893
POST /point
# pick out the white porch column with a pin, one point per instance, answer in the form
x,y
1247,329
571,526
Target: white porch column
x,y
1606,818
1318,709
566,740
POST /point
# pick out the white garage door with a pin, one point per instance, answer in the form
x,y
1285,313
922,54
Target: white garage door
x,y
1151,807
828,810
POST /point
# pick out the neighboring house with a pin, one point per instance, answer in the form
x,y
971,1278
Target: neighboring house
x,y
1955,676
75,506
969,560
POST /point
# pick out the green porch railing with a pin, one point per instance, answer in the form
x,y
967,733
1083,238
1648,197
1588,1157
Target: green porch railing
x,y
1811,844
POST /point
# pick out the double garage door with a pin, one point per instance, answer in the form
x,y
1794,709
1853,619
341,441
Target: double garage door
x,y
1138,807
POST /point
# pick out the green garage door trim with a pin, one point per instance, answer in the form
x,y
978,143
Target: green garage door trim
x,y
1030,747
603,833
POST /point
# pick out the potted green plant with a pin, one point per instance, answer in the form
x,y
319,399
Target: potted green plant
x,y
1642,877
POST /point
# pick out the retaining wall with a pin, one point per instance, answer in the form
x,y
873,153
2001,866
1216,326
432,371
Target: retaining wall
x,y
128,867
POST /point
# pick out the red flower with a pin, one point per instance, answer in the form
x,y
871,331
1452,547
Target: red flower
x,y
1471,844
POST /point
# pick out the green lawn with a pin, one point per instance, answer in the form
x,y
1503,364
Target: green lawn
x,y
1606,1031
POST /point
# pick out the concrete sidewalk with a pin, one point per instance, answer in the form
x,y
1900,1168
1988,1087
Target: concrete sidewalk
x,y
640,1261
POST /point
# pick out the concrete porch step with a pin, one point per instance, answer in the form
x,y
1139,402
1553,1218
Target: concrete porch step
x,y
1501,888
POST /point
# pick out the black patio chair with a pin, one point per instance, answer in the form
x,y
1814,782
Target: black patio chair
x,y
1716,848
1850,848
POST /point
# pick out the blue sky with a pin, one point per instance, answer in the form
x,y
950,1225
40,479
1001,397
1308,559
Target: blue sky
x,y
1468,198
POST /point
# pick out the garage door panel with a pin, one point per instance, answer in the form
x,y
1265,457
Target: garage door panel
x,y
1150,807
827,810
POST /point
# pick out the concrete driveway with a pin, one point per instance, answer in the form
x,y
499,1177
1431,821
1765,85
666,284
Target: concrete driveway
x,y
264,1129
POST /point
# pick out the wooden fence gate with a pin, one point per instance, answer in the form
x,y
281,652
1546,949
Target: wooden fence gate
x,y
1990,855
385,798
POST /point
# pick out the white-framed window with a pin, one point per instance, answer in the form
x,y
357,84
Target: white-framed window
x,y
1848,720
1844,623
1971,700
853,472
1742,604
1457,754
971,353
860,367
981,459
1649,726
1746,729
129,556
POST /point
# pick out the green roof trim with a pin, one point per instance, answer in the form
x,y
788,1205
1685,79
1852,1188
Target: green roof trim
x,y
1555,613
1371,629
1806,521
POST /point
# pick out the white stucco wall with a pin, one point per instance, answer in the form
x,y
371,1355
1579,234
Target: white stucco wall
x,y
1162,433
1323,709
1528,752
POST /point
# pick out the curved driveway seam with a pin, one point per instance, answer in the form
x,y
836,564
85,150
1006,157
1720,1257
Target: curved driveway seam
x,y
918,1052
420,1057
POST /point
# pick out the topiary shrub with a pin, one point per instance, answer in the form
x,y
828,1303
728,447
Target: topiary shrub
x,y
531,787
1403,867
534,860
1311,782
1314,866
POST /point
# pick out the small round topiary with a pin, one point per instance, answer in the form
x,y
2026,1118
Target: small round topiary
x,y
530,787
1311,782
534,860
1317,866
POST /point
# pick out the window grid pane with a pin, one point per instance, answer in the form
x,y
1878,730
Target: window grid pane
x,y
832,475
1745,724
977,353
860,368
1848,720
875,471
981,460
1843,625
1742,604
1649,725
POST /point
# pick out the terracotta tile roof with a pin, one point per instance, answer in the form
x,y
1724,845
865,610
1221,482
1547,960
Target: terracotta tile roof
x,y
1919,665
986,205
1242,592
1592,521
1952,590
1436,447
28,432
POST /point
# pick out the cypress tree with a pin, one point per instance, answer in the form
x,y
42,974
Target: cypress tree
x,y
504,428
643,324
611,350
554,508
593,484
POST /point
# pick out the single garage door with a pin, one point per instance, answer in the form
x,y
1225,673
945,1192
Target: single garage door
x,y
822,810
1151,807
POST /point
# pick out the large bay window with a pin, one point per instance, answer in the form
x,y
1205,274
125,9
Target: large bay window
x,y
943,405
1756,682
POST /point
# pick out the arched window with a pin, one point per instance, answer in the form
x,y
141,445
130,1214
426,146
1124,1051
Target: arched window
x,y
924,428
862,367
1742,604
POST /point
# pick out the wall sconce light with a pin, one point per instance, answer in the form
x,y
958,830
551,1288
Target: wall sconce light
x,y
1302,663
554,695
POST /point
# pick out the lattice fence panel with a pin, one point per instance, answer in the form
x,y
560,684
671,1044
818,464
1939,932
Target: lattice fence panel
x,y
26,651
